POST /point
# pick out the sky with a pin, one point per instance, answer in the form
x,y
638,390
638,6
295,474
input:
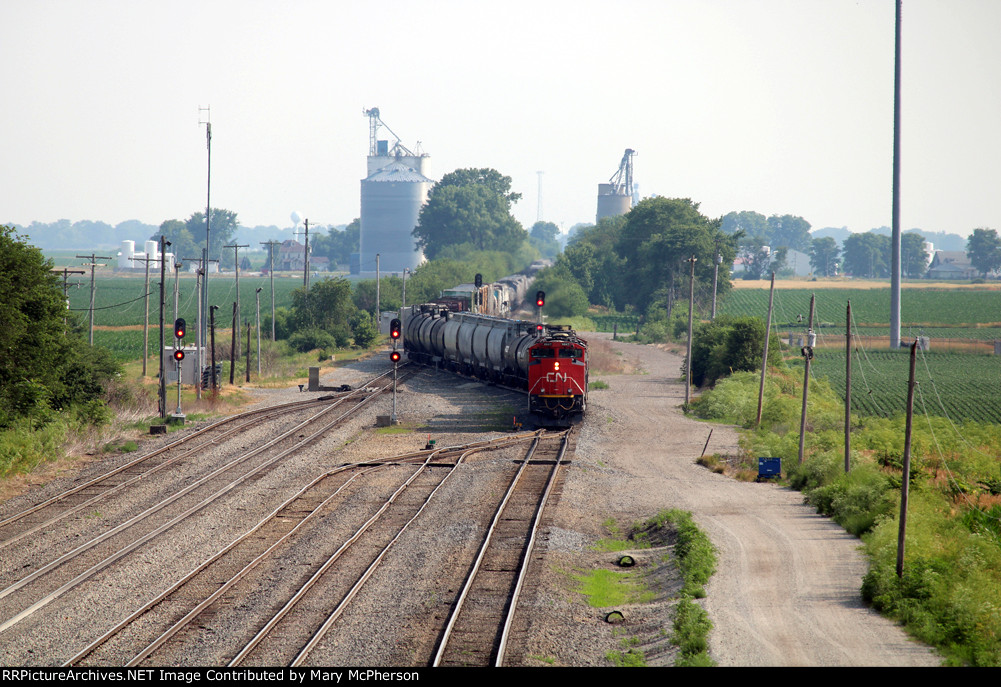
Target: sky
x,y
774,106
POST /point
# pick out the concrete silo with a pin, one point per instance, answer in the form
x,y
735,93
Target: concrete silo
x,y
615,197
391,198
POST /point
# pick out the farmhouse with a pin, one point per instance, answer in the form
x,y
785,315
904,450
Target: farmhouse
x,y
951,264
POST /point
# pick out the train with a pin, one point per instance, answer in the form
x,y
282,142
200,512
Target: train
x,y
549,362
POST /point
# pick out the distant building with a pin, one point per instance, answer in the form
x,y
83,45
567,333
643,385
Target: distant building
x,y
291,256
951,264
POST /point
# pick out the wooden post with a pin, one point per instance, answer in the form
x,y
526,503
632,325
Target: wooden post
x,y
848,388
248,351
232,346
807,355
906,477
691,308
764,358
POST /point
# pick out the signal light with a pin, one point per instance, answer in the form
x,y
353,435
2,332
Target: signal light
x,y
179,327
395,328
395,356
478,280
540,298
179,355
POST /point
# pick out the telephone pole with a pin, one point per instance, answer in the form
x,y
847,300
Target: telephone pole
x,y
92,264
691,311
271,274
236,261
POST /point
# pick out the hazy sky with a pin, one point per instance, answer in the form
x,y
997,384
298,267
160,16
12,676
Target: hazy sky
x,y
768,105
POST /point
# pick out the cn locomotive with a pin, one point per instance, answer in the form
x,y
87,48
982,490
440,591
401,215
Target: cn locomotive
x,y
549,362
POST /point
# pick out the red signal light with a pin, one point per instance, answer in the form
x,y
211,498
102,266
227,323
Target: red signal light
x,y
179,327
395,356
179,355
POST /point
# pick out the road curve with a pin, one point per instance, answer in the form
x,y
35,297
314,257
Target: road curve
x,y
786,592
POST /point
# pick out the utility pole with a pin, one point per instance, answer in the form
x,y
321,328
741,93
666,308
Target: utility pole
x,y
717,259
204,304
232,345
848,387
258,326
248,353
906,477
305,260
215,381
378,283
271,274
236,262
146,260
691,310
807,352
92,264
764,358
66,272
162,387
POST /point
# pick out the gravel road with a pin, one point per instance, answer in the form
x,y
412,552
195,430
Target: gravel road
x,y
787,588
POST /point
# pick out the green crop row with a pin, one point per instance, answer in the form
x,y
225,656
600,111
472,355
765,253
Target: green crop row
x,y
959,386
918,307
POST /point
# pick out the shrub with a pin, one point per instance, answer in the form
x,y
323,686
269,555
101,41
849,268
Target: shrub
x,y
306,340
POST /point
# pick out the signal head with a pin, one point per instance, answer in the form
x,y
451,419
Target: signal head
x,y
395,328
179,327
478,280
395,356
540,298
179,354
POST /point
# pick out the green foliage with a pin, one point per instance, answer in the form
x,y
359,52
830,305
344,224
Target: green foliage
x,y
47,365
564,296
728,345
984,250
951,585
469,206
305,340
691,632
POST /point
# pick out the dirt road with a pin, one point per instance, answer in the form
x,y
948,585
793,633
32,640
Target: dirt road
x,y
787,588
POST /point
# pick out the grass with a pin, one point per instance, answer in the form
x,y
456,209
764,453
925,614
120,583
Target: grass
x,y
950,591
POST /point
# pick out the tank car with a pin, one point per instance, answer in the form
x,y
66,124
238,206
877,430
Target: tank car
x,y
548,362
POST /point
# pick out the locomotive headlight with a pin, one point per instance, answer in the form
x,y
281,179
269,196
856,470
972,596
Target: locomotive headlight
x,y
556,366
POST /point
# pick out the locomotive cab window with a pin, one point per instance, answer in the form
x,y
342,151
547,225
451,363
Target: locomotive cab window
x,y
543,353
569,353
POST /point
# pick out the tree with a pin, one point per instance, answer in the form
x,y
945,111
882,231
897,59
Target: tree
x,y
913,256
187,238
748,222
659,236
984,250
328,307
545,237
469,206
824,254
867,255
787,231
760,259
45,365
337,245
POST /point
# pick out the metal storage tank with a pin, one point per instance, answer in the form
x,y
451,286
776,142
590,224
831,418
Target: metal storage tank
x,y
391,200
611,203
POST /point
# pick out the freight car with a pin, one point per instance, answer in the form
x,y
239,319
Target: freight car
x,y
548,362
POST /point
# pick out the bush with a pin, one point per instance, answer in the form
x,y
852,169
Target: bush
x,y
307,340
728,345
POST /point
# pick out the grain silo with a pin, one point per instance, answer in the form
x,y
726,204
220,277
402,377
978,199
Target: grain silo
x,y
391,198
615,197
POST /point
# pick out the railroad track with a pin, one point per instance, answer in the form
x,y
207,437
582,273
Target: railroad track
x,y
186,615
65,571
479,627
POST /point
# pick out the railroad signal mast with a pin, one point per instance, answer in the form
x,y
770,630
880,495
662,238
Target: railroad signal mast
x,y
395,331
540,300
180,327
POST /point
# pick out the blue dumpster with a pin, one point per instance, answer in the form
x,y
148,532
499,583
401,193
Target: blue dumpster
x,y
769,467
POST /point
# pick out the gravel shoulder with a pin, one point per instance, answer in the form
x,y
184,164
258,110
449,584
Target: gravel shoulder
x,y
786,592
